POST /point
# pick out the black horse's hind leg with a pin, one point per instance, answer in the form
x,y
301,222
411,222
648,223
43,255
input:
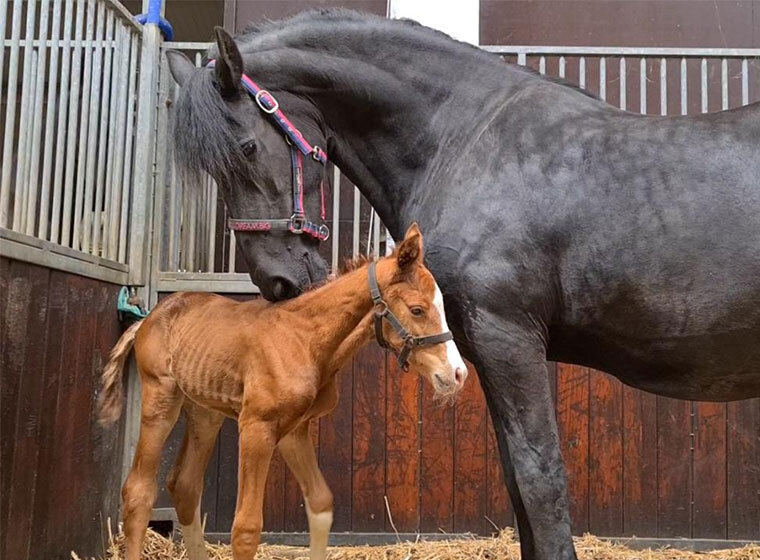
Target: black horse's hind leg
x,y
514,378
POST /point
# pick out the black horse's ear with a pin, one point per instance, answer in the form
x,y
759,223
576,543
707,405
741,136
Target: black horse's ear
x,y
229,65
180,66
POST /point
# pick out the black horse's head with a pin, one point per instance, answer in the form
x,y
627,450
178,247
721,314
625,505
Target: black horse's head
x,y
219,128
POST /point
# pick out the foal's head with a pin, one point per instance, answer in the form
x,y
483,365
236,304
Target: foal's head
x,y
413,296
219,128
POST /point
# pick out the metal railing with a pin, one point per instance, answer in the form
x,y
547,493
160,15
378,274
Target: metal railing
x,y
664,80
69,103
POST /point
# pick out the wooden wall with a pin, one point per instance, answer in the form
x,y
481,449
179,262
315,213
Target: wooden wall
x,y
637,464
60,473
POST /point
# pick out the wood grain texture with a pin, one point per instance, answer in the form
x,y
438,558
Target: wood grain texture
x,y
369,424
470,459
743,469
605,455
402,444
639,462
60,472
674,468
709,508
573,425
436,465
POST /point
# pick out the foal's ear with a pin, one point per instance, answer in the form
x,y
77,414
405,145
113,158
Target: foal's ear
x,y
410,252
180,66
229,65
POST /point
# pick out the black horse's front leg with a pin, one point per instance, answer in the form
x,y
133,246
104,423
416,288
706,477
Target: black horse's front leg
x,y
512,366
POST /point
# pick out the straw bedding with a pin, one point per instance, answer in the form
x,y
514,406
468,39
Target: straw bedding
x,y
503,547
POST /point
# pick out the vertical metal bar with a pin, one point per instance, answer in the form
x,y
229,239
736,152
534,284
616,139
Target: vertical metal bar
x,y
562,66
542,65
704,86
60,147
603,78
521,59
39,94
87,128
130,142
335,233
107,127
23,127
10,113
24,164
724,84
623,87
173,261
115,130
684,88
212,203
745,82
376,235
95,148
71,136
582,72
233,251
643,86
47,156
663,86
3,16
357,217
142,193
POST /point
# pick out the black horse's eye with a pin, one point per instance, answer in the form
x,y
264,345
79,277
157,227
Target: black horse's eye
x,y
417,311
249,147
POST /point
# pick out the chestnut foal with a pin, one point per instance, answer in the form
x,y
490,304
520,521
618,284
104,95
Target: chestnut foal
x,y
272,367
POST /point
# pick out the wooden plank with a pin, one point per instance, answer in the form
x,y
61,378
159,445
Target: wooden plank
x,y
499,508
470,460
743,469
274,495
15,320
606,455
573,425
640,462
436,465
210,495
368,509
674,464
402,444
26,438
709,508
227,476
55,354
335,450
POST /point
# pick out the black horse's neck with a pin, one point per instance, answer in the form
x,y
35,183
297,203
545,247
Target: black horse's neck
x,y
397,101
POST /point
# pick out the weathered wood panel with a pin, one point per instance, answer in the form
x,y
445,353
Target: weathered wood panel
x,y
60,475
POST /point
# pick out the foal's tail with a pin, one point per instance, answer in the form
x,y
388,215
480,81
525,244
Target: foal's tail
x,y
111,394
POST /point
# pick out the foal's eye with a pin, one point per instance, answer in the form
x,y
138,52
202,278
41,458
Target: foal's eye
x,y
417,311
249,147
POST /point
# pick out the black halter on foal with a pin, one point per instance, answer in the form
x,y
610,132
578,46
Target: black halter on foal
x,y
299,147
382,311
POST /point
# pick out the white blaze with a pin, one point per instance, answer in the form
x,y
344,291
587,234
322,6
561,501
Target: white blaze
x,y
452,352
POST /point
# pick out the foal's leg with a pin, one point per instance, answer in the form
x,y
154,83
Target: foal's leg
x,y
298,451
257,442
161,403
185,482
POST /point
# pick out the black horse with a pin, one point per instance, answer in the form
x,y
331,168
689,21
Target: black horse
x,y
558,226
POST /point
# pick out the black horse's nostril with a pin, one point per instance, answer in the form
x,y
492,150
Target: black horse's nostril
x,y
283,289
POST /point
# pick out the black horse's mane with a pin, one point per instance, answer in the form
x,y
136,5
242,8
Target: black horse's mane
x,y
204,124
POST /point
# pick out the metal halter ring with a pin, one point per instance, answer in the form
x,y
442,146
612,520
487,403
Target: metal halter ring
x,y
297,223
324,232
261,105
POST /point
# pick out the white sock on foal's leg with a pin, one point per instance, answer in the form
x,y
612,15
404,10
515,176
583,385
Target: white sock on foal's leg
x,y
193,537
319,532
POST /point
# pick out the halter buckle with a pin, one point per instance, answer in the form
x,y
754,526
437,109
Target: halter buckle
x,y
318,154
324,232
297,224
260,103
